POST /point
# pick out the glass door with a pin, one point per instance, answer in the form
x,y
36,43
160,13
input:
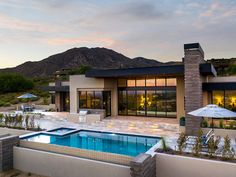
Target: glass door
x,y
151,102
141,103
107,102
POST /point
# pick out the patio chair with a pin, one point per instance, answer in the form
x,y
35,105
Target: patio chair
x,y
190,141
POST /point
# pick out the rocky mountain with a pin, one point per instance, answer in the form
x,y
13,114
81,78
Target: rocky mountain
x,y
99,58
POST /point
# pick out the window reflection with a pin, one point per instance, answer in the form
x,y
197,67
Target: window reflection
x,y
82,100
230,99
122,83
218,98
160,82
150,82
131,83
171,81
140,82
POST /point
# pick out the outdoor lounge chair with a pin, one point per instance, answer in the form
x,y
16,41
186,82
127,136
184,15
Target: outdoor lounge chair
x,y
190,141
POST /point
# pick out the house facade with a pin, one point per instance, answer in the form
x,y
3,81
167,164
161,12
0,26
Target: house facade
x,y
166,91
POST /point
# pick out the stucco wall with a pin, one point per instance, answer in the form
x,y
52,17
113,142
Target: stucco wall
x,y
82,82
111,84
180,97
179,166
56,165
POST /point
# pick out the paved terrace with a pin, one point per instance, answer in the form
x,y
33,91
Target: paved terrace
x,y
126,124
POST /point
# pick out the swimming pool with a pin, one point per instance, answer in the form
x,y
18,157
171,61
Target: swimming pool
x,y
130,145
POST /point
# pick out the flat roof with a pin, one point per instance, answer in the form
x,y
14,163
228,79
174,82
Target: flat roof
x,y
164,70
210,86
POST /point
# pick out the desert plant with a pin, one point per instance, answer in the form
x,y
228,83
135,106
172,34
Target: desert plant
x,y
204,123
32,122
197,148
164,145
228,152
212,146
221,124
27,121
181,142
1,118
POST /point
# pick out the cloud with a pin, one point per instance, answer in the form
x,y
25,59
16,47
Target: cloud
x,y
13,23
216,13
94,40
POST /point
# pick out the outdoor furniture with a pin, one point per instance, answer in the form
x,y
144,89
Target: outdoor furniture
x,y
213,111
82,116
191,140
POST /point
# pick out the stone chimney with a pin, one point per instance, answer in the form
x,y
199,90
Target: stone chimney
x,y
193,57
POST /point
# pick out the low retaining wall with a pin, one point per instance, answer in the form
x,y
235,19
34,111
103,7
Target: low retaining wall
x,y
144,165
101,156
6,151
180,166
57,165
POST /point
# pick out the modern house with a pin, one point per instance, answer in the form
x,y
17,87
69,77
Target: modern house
x,y
168,91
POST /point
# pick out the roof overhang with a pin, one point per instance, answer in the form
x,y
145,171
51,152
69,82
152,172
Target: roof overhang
x,y
165,70
132,72
218,86
56,88
207,69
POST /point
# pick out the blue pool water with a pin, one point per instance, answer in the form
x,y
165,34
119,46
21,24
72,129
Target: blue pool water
x,y
99,141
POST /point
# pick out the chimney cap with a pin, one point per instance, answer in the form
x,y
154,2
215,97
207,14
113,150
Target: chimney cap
x,y
193,46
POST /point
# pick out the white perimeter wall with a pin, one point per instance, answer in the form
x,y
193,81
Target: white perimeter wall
x,y
179,166
56,165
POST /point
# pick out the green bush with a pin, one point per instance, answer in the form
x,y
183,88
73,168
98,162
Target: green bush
x,y
221,124
14,83
204,123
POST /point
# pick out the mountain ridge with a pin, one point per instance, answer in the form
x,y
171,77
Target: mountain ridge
x,y
97,58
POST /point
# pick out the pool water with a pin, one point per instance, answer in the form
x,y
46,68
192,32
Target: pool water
x,y
99,141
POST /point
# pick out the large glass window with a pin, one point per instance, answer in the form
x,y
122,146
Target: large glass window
x,y
82,100
160,82
140,83
122,83
131,83
171,103
161,103
151,96
151,99
141,102
122,102
230,99
171,81
131,102
95,100
218,98
90,97
98,100
150,82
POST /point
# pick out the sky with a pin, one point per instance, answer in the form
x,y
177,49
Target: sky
x,y
31,30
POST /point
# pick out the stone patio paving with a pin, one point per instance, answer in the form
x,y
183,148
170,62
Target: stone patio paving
x,y
125,124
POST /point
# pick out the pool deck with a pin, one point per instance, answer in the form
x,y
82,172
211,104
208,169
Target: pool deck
x,y
125,124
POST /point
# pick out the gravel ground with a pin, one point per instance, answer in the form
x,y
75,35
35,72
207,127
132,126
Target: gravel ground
x,y
17,173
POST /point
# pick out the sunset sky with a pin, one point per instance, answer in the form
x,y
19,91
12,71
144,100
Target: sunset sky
x,y
157,29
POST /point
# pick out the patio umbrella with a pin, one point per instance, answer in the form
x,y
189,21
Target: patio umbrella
x,y
213,111
27,96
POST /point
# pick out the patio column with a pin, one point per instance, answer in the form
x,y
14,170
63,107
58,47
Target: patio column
x,y
193,57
